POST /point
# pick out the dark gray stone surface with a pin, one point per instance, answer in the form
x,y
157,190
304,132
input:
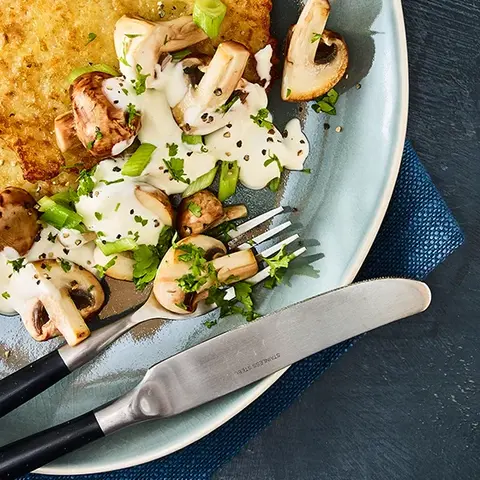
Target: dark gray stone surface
x,y
403,403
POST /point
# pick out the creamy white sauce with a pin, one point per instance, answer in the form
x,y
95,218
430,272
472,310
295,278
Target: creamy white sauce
x,y
114,210
264,64
159,128
252,145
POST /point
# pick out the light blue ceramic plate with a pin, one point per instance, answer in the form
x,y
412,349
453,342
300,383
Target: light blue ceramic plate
x,y
341,205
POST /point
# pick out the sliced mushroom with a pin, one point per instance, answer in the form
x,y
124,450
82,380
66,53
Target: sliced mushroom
x,y
199,112
203,211
65,132
101,127
230,268
122,269
316,58
140,42
62,310
157,202
18,220
166,288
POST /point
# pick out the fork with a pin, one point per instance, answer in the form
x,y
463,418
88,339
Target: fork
x,y
33,379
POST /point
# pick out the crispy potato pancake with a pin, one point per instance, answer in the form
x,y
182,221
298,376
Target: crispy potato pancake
x,y
42,41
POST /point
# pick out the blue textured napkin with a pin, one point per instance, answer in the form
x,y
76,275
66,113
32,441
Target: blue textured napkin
x,y
418,233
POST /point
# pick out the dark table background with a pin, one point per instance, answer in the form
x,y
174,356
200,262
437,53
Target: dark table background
x,y
403,403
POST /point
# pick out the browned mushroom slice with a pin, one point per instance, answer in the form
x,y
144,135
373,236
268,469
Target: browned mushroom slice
x,y
65,132
203,211
18,220
200,110
316,58
229,269
139,42
100,126
62,311
157,202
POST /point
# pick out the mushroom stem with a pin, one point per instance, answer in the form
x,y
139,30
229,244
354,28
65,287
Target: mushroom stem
x,y
65,133
68,320
235,267
233,212
223,74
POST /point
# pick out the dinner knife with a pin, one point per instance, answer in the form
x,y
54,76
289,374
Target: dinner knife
x,y
227,363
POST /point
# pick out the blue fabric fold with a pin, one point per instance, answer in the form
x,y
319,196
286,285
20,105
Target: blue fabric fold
x,y
418,233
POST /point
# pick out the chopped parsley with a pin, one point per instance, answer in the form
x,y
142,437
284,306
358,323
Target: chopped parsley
x,y
289,92
326,103
172,149
139,85
133,35
102,269
260,119
221,231
175,168
17,264
200,270
147,260
195,209
98,136
117,206
278,266
66,266
98,215
228,104
306,170
141,220
165,240
181,305
86,184
132,112
6,295
316,37
91,37
51,237
241,304
125,45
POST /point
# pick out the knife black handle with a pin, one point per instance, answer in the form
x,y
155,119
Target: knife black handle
x,y
31,380
28,454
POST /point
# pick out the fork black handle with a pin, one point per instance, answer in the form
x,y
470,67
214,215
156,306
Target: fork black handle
x,y
27,454
31,380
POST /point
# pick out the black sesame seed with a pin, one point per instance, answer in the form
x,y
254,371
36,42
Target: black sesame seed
x,y
326,126
302,141
204,117
38,282
189,154
246,158
229,125
156,223
218,92
264,152
270,139
66,251
119,236
239,144
115,102
116,169
285,134
271,131
132,211
210,119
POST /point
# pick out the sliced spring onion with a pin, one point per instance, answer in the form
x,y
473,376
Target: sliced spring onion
x,y
58,215
192,139
97,67
118,246
65,198
136,164
228,180
209,15
201,183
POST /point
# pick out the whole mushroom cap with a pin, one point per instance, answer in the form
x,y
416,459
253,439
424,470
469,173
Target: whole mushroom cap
x,y
18,220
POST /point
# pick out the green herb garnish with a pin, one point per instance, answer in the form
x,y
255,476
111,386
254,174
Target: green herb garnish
x,y
86,184
147,261
17,264
172,149
195,209
326,103
6,295
98,215
91,37
132,112
102,269
112,182
180,55
316,37
278,266
260,119
139,85
66,266
175,168
141,220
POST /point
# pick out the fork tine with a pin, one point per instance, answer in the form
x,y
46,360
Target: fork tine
x,y
277,247
253,242
254,222
261,275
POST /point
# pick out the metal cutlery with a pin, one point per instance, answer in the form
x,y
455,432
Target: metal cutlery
x,y
129,308
226,363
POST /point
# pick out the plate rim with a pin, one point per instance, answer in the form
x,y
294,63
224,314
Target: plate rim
x,y
361,254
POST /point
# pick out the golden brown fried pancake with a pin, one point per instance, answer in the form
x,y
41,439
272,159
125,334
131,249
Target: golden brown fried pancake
x,y
42,41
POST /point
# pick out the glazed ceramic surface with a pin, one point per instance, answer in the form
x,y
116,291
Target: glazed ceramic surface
x,y
340,207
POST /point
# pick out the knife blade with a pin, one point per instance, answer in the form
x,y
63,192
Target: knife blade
x,y
227,363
